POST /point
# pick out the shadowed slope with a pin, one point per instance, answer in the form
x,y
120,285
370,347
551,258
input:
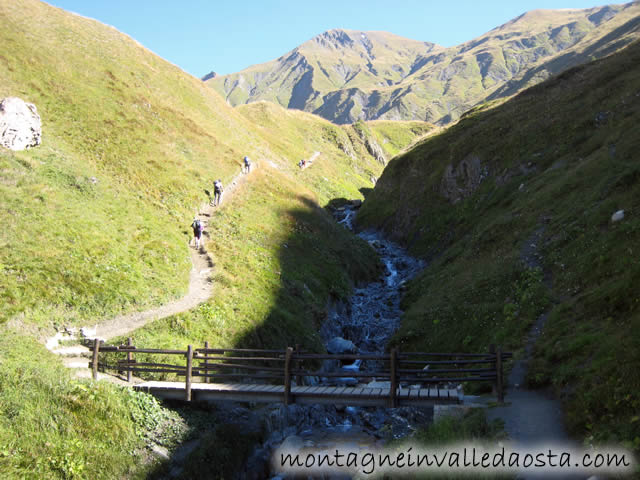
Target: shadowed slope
x,y
537,177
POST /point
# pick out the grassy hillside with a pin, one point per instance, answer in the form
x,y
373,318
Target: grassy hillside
x,y
64,428
152,138
96,218
513,207
96,223
347,75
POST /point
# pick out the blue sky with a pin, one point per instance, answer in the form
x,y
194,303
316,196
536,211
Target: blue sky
x,y
227,36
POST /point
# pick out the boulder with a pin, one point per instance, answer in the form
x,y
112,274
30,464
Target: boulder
x,y
617,216
20,125
339,345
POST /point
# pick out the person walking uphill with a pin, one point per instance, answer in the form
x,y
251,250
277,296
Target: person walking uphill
x,y
217,192
197,231
247,165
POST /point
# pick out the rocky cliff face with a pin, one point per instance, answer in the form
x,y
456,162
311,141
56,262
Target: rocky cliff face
x,y
347,75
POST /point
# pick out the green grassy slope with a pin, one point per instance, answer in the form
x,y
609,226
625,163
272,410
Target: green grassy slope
x,y
96,218
63,428
539,175
151,136
96,223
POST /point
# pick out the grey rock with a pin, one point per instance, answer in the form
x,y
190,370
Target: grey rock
x,y
602,118
339,345
459,182
616,217
375,150
159,451
20,124
456,411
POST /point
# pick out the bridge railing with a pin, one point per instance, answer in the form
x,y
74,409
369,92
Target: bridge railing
x,y
286,366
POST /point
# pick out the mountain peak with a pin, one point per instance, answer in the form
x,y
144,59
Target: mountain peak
x,y
334,39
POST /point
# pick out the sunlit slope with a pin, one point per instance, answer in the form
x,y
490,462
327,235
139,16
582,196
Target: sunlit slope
x,y
344,163
96,218
95,222
334,60
346,75
514,208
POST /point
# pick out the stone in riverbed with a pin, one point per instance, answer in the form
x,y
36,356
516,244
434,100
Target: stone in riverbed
x,y
339,345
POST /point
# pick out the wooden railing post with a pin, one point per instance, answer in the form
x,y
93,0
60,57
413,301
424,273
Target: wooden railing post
x,y
129,359
187,388
297,365
206,363
393,358
499,386
94,366
494,389
287,375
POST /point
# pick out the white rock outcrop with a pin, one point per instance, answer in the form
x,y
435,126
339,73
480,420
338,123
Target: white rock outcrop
x,y
20,125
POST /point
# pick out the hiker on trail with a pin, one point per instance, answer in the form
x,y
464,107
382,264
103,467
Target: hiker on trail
x,y
198,228
247,164
302,163
217,192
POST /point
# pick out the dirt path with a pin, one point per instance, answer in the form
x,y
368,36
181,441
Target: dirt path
x,y
200,284
533,417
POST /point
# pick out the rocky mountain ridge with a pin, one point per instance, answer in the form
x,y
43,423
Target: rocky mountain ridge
x,y
347,75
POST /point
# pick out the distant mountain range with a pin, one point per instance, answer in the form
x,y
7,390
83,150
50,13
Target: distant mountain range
x,y
346,75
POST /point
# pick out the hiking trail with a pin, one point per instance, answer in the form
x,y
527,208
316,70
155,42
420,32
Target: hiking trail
x,y
200,289
309,162
533,417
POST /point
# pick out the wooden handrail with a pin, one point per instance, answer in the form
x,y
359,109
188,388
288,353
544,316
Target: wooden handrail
x,y
395,367
222,357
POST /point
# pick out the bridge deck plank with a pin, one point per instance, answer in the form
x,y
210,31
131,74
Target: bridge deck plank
x,y
304,394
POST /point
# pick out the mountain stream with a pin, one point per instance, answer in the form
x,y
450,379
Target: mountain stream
x,y
363,325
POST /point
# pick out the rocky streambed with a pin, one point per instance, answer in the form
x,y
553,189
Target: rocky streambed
x,y
363,325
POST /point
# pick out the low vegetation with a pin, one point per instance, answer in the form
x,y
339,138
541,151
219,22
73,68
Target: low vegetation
x,y
53,426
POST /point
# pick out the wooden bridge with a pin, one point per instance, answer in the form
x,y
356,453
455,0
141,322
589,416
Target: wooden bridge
x,y
394,379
